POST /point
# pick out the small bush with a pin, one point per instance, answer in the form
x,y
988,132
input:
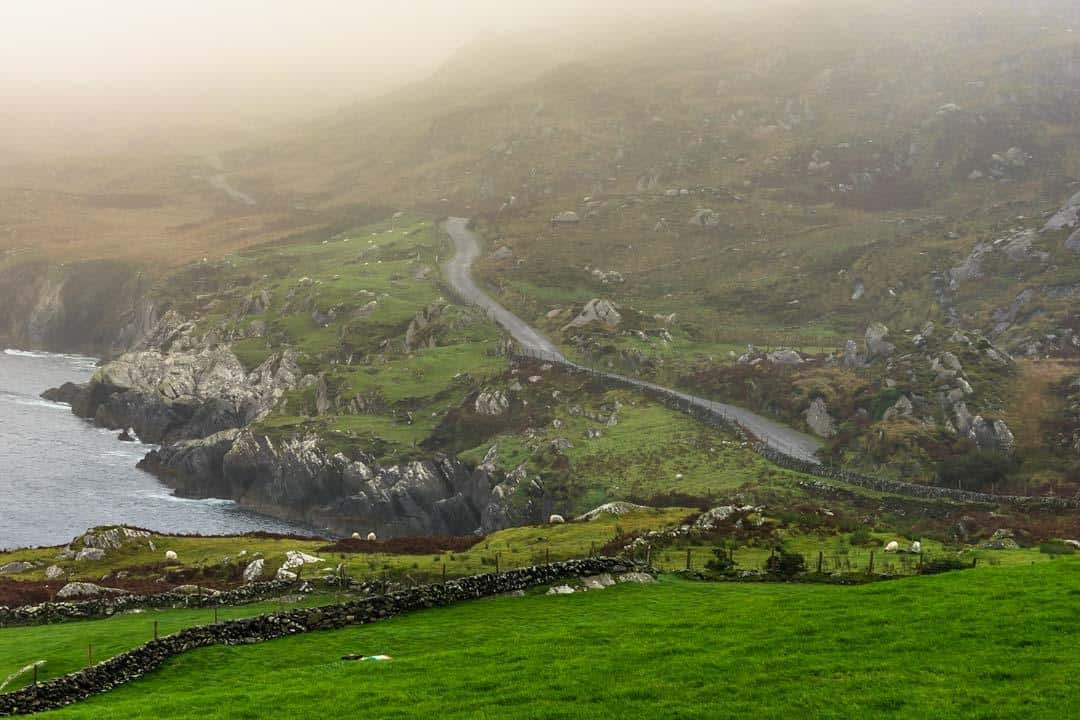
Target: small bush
x,y
785,565
1055,547
862,537
721,564
940,565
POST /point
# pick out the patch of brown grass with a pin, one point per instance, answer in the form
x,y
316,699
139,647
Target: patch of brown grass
x,y
1033,402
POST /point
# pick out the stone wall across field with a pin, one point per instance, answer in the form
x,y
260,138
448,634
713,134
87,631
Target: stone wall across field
x,y
56,612
146,658
776,454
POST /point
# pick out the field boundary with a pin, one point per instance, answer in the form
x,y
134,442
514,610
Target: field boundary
x,y
136,663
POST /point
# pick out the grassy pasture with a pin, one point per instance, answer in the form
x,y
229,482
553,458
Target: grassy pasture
x,y
944,646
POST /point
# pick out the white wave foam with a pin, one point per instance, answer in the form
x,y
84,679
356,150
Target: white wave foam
x,y
33,402
73,357
25,353
121,454
212,502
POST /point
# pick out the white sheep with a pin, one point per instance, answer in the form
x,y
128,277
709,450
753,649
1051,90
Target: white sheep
x,y
892,546
556,520
171,556
356,536
371,537
916,547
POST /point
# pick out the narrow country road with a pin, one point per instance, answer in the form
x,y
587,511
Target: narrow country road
x,y
459,275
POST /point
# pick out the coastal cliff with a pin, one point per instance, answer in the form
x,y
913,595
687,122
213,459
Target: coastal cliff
x,y
301,479
192,395
97,308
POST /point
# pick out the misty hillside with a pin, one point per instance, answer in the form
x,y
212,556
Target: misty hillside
x,y
857,220
782,178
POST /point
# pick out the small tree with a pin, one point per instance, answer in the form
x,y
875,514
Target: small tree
x,y
721,564
785,565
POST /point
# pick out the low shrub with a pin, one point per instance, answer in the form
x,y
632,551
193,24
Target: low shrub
x,y
785,565
721,564
940,565
1056,547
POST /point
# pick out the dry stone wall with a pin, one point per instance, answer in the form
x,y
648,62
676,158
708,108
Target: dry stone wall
x,y
56,612
136,663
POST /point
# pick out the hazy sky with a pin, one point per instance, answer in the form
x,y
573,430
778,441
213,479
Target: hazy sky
x,y
86,69
105,43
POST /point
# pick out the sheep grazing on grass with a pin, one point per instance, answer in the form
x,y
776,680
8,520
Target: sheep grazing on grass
x,y
356,536
916,547
371,537
171,556
556,520
892,546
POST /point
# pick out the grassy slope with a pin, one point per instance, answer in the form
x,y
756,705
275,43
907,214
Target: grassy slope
x,y
926,647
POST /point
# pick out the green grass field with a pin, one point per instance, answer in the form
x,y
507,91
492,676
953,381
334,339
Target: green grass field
x,y
67,647
946,646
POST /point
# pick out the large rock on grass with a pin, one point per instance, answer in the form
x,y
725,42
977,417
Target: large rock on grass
x,y
819,420
876,344
85,591
596,311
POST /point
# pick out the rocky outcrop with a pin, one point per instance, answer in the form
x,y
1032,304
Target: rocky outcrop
x,y
299,479
785,358
83,590
876,344
819,420
14,568
171,390
424,328
1073,242
986,434
1016,249
1067,217
492,403
596,311
705,218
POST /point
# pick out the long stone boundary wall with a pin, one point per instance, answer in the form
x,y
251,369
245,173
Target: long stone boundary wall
x,y
106,605
142,660
776,454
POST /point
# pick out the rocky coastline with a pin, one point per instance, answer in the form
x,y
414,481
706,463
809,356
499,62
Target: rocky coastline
x,y
193,397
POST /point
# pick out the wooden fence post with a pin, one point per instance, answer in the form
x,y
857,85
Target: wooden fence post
x,y
870,569
687,558
820,559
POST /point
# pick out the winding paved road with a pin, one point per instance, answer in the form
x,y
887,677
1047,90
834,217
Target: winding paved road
x,y
458,272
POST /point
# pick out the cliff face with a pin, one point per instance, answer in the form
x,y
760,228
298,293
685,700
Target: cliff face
x,y
300,479
97,308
